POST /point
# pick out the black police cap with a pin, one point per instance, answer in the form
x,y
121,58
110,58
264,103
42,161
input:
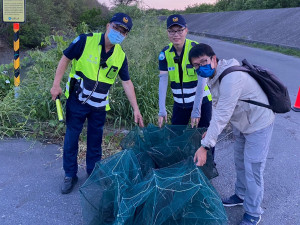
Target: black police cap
x,y
123,20
176,20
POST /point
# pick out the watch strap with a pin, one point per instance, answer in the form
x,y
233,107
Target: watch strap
x,y
206,148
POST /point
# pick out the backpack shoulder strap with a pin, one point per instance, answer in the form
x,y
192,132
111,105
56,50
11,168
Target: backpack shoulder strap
x,y
232,69
258,103
244,69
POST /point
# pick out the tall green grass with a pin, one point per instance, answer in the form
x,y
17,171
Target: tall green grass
x,y
142,48
34,113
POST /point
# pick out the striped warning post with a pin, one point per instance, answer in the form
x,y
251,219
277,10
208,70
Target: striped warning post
x,y
16,54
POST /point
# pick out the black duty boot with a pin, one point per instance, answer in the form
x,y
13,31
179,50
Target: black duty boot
x,y
68,184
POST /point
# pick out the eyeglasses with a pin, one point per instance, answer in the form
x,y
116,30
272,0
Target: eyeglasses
x,y
203,62
120,29
173,32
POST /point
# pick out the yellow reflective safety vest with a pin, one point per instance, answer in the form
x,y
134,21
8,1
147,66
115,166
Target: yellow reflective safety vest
x,y
95,76
183,93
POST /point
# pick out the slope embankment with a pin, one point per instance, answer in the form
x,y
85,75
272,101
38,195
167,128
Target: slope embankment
x,y
278,27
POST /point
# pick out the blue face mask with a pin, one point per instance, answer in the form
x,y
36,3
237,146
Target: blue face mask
x,y
115,37
205,71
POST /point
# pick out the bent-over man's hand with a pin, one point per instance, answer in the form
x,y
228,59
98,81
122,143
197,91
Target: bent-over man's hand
x,y
200,156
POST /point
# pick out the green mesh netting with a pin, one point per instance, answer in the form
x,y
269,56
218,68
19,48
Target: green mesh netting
x,y
153,181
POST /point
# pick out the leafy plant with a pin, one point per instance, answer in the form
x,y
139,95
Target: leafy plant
x,y
82,28
6,84
132,10
94,18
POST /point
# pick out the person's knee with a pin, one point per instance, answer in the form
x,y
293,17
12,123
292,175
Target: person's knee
x,y
254,172
257,173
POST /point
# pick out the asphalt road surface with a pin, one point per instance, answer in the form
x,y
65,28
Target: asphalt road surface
x,y
31,173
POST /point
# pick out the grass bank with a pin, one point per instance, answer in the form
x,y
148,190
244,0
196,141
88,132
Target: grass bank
x,y
286,51
33,113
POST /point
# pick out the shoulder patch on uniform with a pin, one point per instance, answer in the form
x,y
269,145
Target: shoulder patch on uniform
x,y
161,56
76,39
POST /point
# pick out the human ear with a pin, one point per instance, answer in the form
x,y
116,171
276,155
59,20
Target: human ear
x,y
214,62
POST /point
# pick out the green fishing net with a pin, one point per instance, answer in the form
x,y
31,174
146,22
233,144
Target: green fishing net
x,y
153,181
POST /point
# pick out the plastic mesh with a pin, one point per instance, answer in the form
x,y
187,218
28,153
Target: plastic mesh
x,y
153,181
168,145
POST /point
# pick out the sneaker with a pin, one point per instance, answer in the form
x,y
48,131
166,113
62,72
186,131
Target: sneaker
x,y
68,184
232,201
250,220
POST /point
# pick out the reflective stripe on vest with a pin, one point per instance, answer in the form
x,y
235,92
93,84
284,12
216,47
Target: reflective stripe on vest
x,y
87,69
185,91
186,100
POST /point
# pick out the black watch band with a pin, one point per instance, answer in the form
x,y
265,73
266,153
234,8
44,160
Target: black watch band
x,y
206,148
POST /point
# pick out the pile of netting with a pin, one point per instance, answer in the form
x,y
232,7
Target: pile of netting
x,y
153,181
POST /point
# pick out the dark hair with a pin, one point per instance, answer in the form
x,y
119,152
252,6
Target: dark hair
x,y
200,50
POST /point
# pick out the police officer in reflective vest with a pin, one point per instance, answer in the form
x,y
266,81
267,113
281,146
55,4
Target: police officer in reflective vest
x,y
174,64
97,59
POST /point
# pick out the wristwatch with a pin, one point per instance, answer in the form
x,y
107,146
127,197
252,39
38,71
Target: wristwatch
x,y
205,147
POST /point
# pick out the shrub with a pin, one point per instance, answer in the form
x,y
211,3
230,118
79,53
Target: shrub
x,y
132,10
94,18
199,8
31,35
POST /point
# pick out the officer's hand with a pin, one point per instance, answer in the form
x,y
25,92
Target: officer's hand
x,y
161,120
204,134
200,156
55,91
195,122
138,118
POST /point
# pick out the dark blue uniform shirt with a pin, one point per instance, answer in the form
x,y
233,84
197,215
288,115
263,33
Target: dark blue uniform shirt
x,y
75,49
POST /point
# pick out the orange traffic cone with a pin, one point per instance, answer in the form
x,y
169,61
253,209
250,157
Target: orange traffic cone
x,y
296,107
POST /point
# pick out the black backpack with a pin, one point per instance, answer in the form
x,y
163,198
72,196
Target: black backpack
x,y
276,92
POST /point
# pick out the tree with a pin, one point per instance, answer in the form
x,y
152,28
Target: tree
x,y
124,2
199,8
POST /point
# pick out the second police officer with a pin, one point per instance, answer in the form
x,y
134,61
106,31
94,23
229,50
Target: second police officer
x,y
174,65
